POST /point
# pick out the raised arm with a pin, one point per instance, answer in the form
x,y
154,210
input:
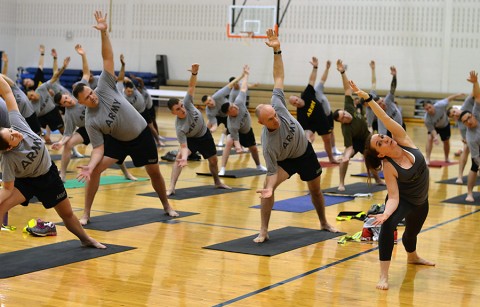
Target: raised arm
x,y
121,73
107,50
6,93
346,85
8,80
325,72
55,62
85,68
473,78
455,96
237,79
313,74
278,71
246,73
393,85
56,75
374,75
389,123
5,63
193,79
41,60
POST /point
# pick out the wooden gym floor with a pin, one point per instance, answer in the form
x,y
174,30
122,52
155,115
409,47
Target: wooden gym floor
x,y
169,267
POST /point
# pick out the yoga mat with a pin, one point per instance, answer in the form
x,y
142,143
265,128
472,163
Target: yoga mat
x,y
50,256
437,163
302,204
59,157
238,173
356,188
460,199
328,164
104,180
232,152
281,240
127,219
380,174
193,192
452,181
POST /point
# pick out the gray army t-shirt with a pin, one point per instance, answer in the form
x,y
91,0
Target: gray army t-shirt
x,y
114,115
288,141
193,125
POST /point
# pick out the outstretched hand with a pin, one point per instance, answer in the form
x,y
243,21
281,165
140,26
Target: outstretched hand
x,y
54,53
328,64
79,49
4,57
340,67
66,61
101,21
358,91
195,68
265,193
379,219
393,70
122,59
85,173
273,41
473,77
314,62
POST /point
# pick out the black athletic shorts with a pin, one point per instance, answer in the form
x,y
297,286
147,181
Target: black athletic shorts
x,y
204,145
142,149
83,133
444,132
34,123
307,165
48,188
53,119
247,139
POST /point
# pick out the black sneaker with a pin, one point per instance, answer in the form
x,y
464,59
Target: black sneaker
x,y
194,157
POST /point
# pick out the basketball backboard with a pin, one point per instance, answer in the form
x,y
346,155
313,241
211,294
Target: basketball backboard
x,y
251,20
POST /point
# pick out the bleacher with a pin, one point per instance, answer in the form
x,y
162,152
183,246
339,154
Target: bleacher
x,y
71,76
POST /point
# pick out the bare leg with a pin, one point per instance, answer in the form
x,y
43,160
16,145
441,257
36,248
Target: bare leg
x,y
127,173
266,208
91,187
213,166
327,143
378,180
383,281
343,172
319,203
446,149
176,171
462,162
64,210
254,152
472,178
428,148
226,154
158,185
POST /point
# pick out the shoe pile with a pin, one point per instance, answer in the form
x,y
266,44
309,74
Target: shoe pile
x,y
41,228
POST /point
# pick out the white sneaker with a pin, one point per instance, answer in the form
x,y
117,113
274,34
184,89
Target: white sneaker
x,y
76,154
336,152
221,172
261,168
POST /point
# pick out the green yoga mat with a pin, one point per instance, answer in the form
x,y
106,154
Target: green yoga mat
x,y
104,180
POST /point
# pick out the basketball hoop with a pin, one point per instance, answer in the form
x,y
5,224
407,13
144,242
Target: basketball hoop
x,y
247,37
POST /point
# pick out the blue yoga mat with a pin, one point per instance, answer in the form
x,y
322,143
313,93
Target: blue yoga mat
x,y
302,204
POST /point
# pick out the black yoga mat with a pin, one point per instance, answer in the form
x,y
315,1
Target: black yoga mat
x,y
200,191
50,256
460,199
238,173
357,188
281,240
121,220
452,181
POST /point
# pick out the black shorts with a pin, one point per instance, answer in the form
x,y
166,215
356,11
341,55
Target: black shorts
x,y
48,188
34,123
53,119
358,146
146,115
222,120
83,133
247,139
204,145
444,133
474,167
142,149
321,126
307,165
152,113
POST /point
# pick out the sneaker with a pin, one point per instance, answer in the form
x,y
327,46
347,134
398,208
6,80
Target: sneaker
x,y
336,152
76,154
43,229
261,168
221,172
194,157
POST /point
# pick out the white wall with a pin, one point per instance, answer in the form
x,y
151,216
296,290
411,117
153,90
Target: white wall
x,y
433,43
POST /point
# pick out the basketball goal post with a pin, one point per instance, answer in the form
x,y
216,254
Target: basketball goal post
x,y
249,22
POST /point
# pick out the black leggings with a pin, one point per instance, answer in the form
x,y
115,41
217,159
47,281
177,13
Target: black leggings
x,y
414,215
